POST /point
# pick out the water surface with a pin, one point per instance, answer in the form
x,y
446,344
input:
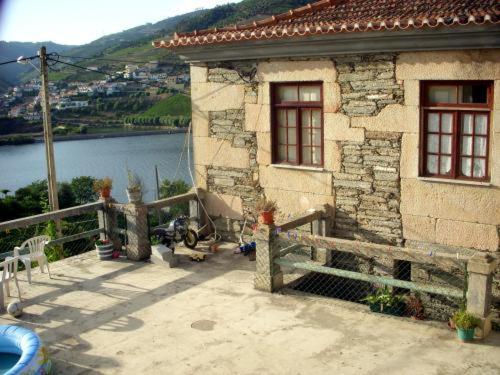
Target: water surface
x,y
21,165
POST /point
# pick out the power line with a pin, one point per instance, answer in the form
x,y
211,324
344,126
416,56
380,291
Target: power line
x,y
18,60
117,60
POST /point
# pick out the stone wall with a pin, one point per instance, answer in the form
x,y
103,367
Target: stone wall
x,y
368,191
368,83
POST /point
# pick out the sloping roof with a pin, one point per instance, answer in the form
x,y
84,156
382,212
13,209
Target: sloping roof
x,y
335,16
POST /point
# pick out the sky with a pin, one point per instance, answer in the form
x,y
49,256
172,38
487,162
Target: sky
x,y
82,21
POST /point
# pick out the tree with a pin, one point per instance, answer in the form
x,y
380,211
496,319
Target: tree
x,y
65,195
83,189
5,192
171,188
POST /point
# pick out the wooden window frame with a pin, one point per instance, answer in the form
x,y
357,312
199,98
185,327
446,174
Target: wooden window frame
x,y
298,106
457,110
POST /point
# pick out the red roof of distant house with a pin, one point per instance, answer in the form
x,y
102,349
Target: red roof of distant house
x,y
334,16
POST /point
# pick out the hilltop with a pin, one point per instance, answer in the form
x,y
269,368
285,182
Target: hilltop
x,y
135,44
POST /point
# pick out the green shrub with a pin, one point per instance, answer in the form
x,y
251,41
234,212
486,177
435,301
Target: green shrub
x,y
465,320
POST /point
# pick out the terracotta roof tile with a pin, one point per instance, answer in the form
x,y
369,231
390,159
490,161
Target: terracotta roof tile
x,y
333,16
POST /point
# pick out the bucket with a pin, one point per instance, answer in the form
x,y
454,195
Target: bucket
x,y
465,334
104,251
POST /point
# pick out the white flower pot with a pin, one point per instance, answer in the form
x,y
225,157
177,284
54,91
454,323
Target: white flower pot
x,y
134,196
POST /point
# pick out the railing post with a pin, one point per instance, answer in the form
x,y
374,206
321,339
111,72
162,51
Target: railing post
x,y
268,275
322,227
480,270
138,244
108,220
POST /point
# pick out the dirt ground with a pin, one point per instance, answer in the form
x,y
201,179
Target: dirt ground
x,y
121,317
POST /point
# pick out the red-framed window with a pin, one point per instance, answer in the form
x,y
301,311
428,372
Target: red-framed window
x,y
297,123
455,129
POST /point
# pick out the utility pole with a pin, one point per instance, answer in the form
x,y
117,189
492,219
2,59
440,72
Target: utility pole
x,y
47,135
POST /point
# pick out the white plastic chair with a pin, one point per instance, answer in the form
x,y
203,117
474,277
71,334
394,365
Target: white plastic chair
x,y
9,272
36,246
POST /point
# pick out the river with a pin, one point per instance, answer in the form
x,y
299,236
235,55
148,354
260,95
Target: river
x,y
21,165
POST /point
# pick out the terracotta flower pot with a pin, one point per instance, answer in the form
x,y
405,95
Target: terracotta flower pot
x,y
267,217
105,193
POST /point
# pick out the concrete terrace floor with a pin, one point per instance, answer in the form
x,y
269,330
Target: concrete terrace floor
x,y
121,317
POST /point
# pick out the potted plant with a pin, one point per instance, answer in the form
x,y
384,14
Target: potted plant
x,y
266,209
414,306
383,301
134,188
465,324
104,249
103,186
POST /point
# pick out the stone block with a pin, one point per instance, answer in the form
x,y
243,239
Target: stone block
x,y
337,128
452,65
333,156
291,71
227,206
217,96
473,204
211,151
198,74
160,254
332,99
296,202
257,118
264,157
409,155
200,124
466,234
289,179
419,228
200,176
412,92
393,118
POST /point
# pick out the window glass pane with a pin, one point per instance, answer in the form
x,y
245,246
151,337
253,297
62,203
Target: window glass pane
x,y
432,161
282,136
306,117
432,143
481,124
281,118
306,136
292,154
479,169
306,155
292,118
292,136
316,118
433,122
445,167
443,94
474,94
282,153
309,93
479,146
316,137
446,122
316,155
466,145
466,166
467,123
287,94
446,144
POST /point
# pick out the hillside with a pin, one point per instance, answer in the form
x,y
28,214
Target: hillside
x,y
177,105
135,44
10,74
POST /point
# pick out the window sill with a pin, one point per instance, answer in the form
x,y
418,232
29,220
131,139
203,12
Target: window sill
x,y
456,182
298,167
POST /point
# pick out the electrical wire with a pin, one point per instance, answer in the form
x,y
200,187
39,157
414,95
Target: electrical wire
x,y
118,60
18,60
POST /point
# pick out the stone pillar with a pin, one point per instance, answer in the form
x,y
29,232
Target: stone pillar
x,y
138,246
322,227
268,275
480,270
108,220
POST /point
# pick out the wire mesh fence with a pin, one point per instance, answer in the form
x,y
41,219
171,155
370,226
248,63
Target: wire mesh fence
x,y
386,285
69,226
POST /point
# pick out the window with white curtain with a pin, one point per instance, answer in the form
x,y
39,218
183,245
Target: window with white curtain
x,y
455,129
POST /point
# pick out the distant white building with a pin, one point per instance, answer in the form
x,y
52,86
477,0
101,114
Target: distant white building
x,y
63,104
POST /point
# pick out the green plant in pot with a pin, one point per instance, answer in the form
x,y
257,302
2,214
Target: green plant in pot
x,y
266,209
466,324
134,187
414,306
383,301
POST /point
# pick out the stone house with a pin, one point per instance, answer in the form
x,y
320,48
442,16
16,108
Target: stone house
x,y
387,111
